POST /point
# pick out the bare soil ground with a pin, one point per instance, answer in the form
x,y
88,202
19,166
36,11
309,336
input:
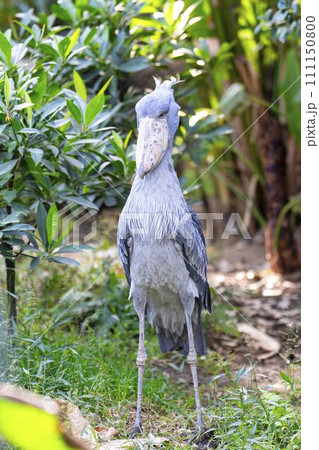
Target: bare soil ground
x,y
265,307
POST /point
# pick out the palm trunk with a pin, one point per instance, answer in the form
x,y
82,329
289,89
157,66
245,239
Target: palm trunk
x,y
285,257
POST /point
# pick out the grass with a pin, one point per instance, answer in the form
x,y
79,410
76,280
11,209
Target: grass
x,y
88,357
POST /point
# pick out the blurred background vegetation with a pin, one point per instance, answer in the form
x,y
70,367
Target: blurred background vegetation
x,y
70,75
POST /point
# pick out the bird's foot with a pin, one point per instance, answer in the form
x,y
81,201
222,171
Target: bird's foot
x,y
137,429
203,437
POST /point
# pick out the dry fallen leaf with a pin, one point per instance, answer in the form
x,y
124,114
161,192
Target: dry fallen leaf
x,y
262,340
74,422
106,434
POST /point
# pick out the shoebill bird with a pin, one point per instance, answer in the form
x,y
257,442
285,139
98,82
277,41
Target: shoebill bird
x,y
161,244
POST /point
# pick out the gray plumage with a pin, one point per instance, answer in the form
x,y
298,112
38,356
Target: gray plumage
x,y
167,257
160,239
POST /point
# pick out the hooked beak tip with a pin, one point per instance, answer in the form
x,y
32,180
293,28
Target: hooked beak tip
x,y
141,173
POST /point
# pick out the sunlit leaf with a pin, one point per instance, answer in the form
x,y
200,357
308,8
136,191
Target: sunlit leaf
x,y
106,85
5,49
73,40
93,108
7,90
285,377
52,222
79,85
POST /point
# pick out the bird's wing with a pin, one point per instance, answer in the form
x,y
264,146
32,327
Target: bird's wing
x,y
190,242
125,257
125,245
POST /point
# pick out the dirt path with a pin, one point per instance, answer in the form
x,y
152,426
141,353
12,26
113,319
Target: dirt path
x,y
263,306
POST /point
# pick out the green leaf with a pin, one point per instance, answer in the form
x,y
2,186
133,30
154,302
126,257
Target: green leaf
x,y
64,233
19,227
103,89
52,108
48,50
93,108
64,260
7,90
62,13
74,111
7,166
36,154
127,139
41,218
117,138
73,40
9,195
63,46
74,162
35,262
36,426
90,36
29,30
79,85
29,108
52,223
10,218
22,106
81,201
5,49
134,65
72,249
40,88
285,377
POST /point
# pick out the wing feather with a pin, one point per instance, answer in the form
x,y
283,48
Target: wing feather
x,y
191,240
125,247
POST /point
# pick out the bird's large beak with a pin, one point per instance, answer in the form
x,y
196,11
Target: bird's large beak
x,y
152,143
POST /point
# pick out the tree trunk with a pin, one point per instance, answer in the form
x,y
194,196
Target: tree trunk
x,y
11,289
285,257
10,278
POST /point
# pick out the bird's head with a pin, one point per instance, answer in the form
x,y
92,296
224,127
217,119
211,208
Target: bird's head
x,y
157,122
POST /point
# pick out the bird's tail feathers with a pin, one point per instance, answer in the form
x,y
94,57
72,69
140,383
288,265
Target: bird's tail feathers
x,y
169,343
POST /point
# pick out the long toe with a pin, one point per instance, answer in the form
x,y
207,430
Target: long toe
x,y
134,431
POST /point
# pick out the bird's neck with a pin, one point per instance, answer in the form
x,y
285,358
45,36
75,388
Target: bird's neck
x,y
159,191
164,173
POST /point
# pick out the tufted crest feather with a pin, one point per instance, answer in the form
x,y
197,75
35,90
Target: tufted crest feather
x,y
168,84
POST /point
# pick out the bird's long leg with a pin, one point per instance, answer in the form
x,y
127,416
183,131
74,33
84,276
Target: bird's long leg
x,y
140,361
192,361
